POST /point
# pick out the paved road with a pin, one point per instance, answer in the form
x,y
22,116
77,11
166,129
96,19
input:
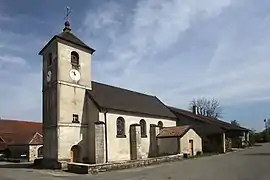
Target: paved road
x,y
249,164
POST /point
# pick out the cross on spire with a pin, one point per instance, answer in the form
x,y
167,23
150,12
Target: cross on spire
x,y
67,14
67,23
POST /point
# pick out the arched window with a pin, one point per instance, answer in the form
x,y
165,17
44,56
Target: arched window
x,y
75,59
160,124
40,151
120,123
143,128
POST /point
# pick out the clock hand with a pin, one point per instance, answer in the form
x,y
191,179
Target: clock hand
x,y
74,73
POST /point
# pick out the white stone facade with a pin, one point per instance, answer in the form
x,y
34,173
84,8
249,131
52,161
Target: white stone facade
x,y
33,152
93,138
119,148
185,145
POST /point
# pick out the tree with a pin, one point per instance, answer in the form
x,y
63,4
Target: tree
x,y
235,123
207,107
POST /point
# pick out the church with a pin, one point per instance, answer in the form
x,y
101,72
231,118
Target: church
x,y
90,122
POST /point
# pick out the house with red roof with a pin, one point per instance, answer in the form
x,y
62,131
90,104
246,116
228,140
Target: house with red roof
x,y
21,139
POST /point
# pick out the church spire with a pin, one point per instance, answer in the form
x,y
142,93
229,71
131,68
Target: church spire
x,y
67,23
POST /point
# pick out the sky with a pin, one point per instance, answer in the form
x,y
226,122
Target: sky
x,y
177,50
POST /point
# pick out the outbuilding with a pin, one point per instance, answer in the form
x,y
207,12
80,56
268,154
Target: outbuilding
x,y
179,140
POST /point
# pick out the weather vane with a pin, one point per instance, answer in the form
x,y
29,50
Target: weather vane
x,y
68,13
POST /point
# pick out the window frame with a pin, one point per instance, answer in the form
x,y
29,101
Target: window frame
x,y
143,128
75,118
75,65
120,123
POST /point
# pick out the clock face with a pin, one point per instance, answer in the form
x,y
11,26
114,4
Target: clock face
x,y
74,75
49,76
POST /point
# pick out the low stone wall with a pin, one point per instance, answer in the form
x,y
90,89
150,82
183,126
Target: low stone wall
x,y
95,168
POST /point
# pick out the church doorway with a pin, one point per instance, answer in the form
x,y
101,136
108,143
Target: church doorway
x,y
75,153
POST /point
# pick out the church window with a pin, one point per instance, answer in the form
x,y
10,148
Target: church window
x,y
160,124
120,123
75,60
75,118
49,59
143,128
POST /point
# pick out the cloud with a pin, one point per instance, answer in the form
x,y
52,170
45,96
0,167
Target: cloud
x,y
175,49
180,50
20,73
13,61
150,28
5,18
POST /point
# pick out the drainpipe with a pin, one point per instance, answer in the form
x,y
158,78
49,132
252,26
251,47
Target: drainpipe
x,y
106,135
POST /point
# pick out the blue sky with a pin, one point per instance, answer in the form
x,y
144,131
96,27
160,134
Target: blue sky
x,y
175,49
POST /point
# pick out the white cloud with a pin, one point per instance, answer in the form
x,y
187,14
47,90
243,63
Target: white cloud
x,y
180,50
11,60
174,49
153,27
20,87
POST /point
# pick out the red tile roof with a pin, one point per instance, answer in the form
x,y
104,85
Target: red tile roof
x,y
175,131
15,132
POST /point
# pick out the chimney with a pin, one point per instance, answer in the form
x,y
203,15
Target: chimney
x,y
194,109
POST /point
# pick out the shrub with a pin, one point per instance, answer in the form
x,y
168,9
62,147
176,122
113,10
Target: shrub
x,y
198,153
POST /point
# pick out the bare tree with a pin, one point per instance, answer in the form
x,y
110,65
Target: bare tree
x,y
235,123
207,107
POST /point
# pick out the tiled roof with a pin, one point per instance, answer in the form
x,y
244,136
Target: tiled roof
x,y
115,98
22,138
10,126
68,36
208,120
20,132
175,131
224,124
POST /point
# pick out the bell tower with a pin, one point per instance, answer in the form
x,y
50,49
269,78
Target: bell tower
x,y
66,77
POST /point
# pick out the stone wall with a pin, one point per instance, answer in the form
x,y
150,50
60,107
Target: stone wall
x,y
168,146
100,150
33,152
135,142
95,168
154,131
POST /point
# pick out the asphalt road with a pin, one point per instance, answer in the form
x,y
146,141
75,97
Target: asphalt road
x,y
248,164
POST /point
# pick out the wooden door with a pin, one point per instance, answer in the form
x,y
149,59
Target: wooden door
x,y
71,156
191,151
75,154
